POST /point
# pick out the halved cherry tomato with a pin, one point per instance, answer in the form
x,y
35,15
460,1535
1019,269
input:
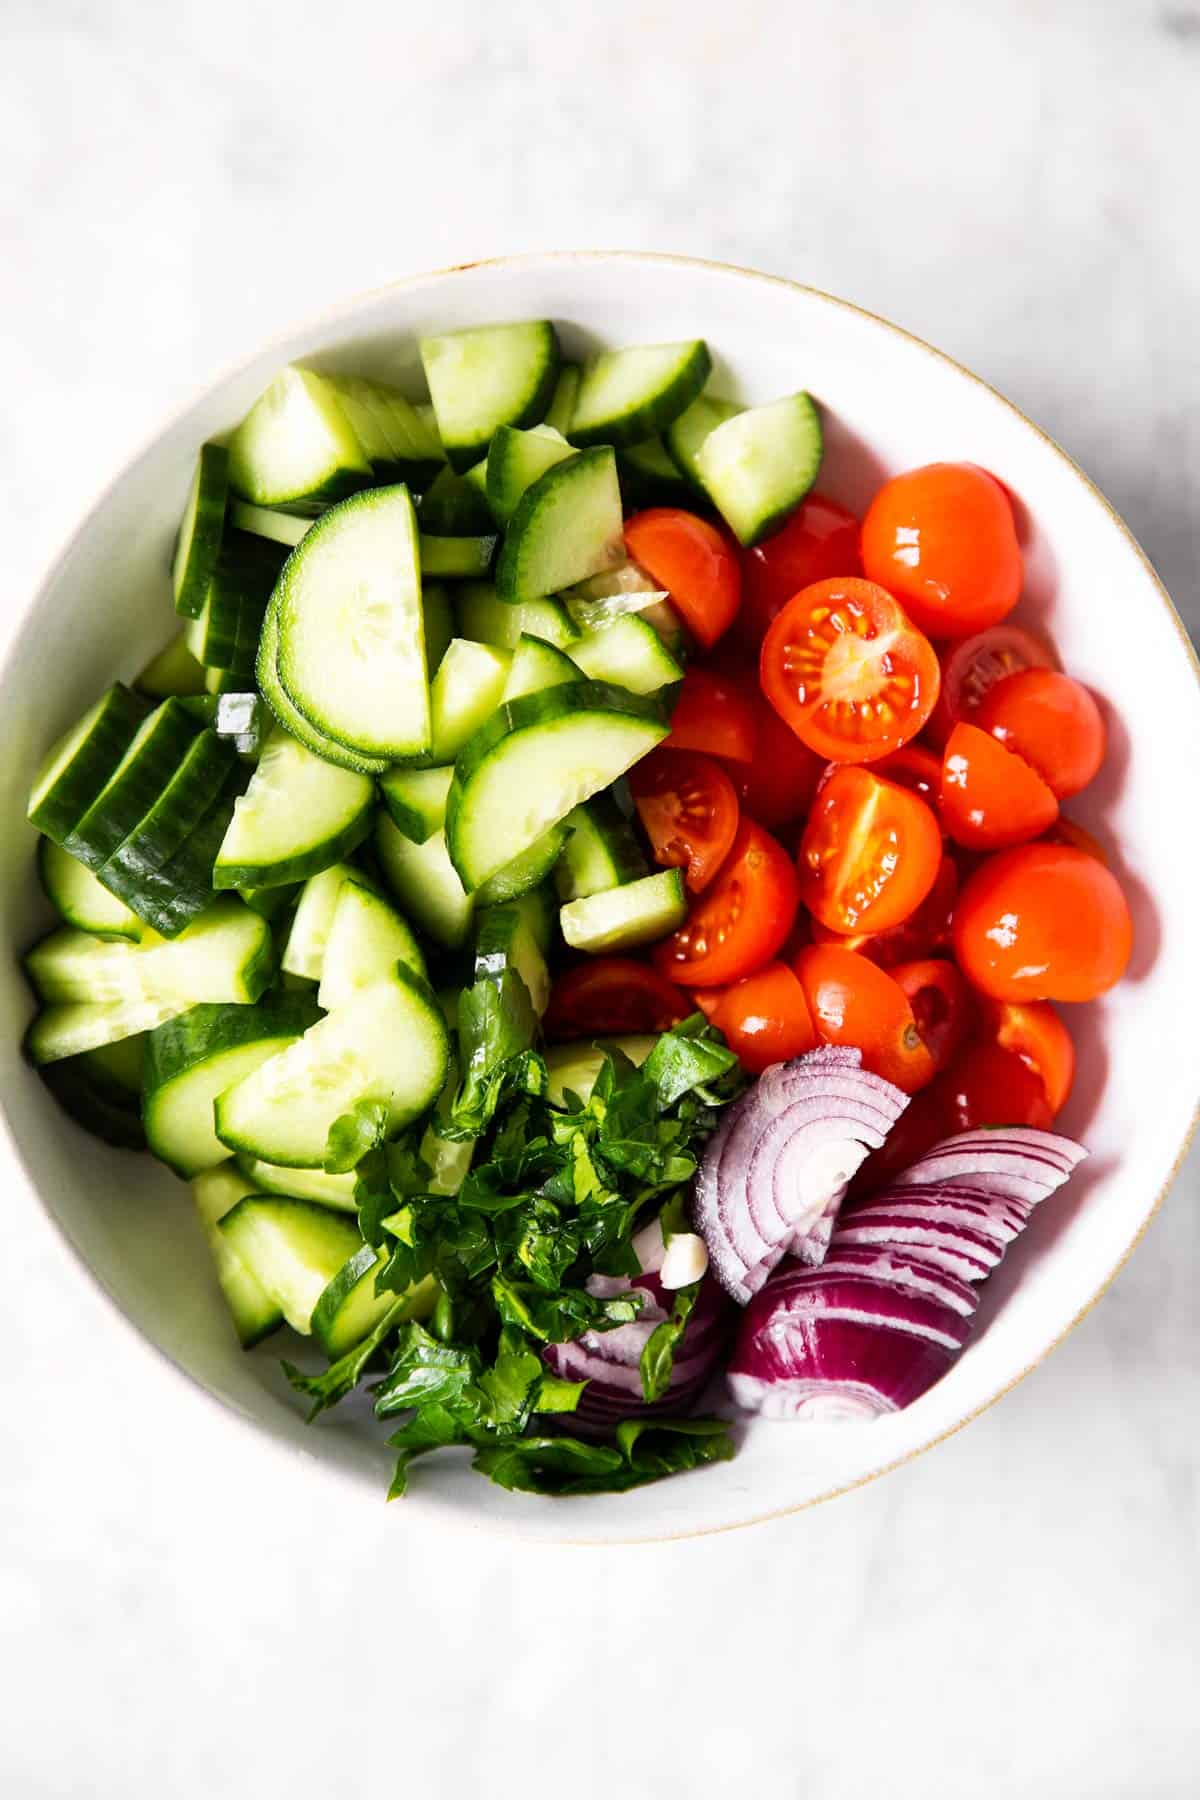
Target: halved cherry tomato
x,y
707,1000
991,800
870,853
970,669
765,1018
612,994
689,811
924,931
942,540
694,562
778,786
854,1002
741,921
916,769
820,540
1066,831
1052,722
1043,922
1036,1034
941,1004
713,714
846,670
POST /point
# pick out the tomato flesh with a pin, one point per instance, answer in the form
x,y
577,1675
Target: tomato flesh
x,y
713,714
688,809
694,562
924,931
819,541
854,1002
870,853
971,668
1036,1034
1052,722
765,1018
1043,922
843,666
941,1004
991,798
942,539
741,921
612,995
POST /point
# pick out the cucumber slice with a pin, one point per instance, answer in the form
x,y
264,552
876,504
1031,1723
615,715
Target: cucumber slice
x,y
649,477
408,441
174,816
537,665
439,624
225,634
79,898
304,952
487,620
416,799
173,671
626,396
366,940
193,1058
78,1026
475,478
138,781
574,1067
255,1314
456,505
663,618
293,721
367,427
292,1249
505,940
515,461
425,882
538,909
269,903
350,1308
561,409
351,631
225,955
485,377
119,1067
298,816
95,1105
685,435
199,542
387,1044
759,466
225,681
301,1184
629,653
171,898
456,558
77,767
601,852
534,762
624,917
465,693
567,526
524,872
268,522
295,449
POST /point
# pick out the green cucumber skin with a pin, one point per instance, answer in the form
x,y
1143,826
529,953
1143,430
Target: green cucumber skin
x,y
601,852
461,454
92,1106
290,717
175,814
418,818
684,436
212,475
79,785
127,798
226,635
452,507
457,558
524,872
204,1030
768,518
292,869
173,671
170,898
562,406
114,921
514,582
654,415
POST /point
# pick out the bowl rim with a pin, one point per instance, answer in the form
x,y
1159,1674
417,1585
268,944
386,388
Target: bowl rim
x,y
327,318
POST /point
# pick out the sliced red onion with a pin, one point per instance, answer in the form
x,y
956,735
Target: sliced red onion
x,y
829,1371
903,1270
781,1159
810,1293
812,1245
1000,1161
942,1246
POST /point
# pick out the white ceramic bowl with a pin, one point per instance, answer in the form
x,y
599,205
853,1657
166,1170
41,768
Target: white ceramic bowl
x,y
889,402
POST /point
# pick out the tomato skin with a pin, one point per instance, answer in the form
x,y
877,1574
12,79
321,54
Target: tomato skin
x,y
1067,831
688,810
1052,722
1036,1034
991,800
765,1018
942,1005
926,930
1043,922
844,667
694,562
777,787
819,541
714,715
973,666
854,1002
870,853
741,921
916,769
942,539
611,994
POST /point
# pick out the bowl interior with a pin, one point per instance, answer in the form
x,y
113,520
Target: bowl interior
x,y
888,402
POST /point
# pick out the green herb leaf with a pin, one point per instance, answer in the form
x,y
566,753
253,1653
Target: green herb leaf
x,y
354,1134
645,1451
326,1389
424,1372
658,1353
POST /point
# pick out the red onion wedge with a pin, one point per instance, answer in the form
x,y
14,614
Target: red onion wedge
x,y
775,1172
830,1371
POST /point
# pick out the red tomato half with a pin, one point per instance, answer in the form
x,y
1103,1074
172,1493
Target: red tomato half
x,y
713,714
870,852
819,541
740,922
694,562
991,798
941,1004
1036,1034
853,1002
610,995
765,1018
924,931
1043,922
846,670
778,786
1052,722
942,540
970,670
688,809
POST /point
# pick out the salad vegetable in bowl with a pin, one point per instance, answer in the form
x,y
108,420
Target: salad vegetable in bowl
x,y
605,822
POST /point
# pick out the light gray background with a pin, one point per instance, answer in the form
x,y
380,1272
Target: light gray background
x,y
1014,1613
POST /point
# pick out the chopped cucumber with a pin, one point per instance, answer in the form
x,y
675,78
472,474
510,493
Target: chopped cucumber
x,y
79,1025
626,396
255,1314
601,852
296,449
76,769
80,899
629,653
351,632
227,954
686,434
96,1105
425,882
292,1249
456,558
173,671
439,624
404,440
486,377
540,914
268,522
448,1159
350,1307
537,665
562,407
193,1058
534,762
416,799
293,721
199,542
366,940
505,939
649,477
601,599
464,694
566,526
304,952
386,1045
456,505
758,466
139,779
298,816
172,897
515,461
120,1066
271,902
174,817
524,872
301,1184
624,917
226,631
487,620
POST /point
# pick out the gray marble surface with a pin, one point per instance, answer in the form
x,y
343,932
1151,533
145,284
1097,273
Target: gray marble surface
x,y
1015,1612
